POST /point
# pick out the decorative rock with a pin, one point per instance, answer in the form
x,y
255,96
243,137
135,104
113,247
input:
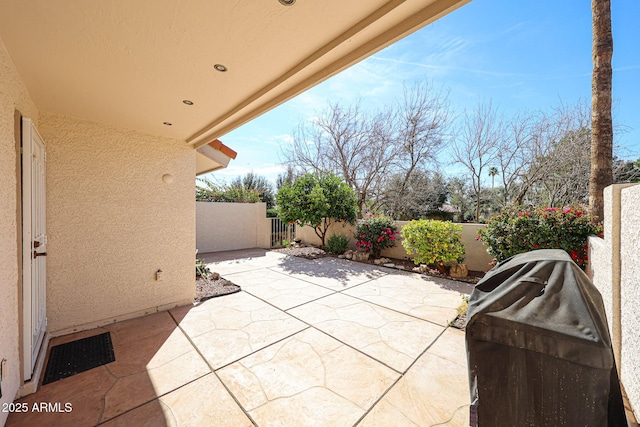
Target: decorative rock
x,y
389,264
422,268
400,267
360,256
458,271
349,256
341,256
214,276
377,261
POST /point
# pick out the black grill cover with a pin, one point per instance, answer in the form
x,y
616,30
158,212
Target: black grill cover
x,y
538,347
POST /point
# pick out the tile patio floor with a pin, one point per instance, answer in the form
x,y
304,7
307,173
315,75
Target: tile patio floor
x,y
306,343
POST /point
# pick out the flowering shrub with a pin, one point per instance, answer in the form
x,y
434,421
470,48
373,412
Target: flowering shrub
x,y
375,233
517,230
433,242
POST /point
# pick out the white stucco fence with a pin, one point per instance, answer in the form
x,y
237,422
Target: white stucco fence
x,y
230,226
615,270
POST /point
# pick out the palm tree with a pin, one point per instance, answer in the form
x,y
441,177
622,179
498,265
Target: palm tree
x,y
601,122
493,171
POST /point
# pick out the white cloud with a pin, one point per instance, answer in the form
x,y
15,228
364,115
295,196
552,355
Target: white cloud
x,y
282,138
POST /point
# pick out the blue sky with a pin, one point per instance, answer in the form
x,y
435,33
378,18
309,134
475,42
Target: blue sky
x,y
522,55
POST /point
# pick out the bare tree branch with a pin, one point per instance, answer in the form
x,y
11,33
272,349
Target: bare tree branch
x,y
481,135
367,149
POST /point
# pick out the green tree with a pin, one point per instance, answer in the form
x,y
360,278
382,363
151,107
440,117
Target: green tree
x,y
211,191
251,181
461,198
421,196
493,171
317,200
285,178
626,170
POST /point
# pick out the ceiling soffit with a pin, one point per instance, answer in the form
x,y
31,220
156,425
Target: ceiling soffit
x,y
133,63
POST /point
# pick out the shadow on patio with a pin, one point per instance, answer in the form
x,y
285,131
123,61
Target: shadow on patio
x,y
307,342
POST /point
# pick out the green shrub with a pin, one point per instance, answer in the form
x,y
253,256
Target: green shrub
x,y
272,213
201,268
517,230
337,243
375,233
462,308
433,242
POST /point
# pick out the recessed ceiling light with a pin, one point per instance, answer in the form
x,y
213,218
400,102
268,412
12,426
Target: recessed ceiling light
x,y
220,68
186,101
287,2
167,123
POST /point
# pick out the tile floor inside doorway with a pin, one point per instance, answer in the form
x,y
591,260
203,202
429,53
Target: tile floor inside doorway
x,y
322,342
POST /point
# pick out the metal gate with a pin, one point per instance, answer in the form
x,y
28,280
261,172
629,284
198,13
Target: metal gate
x,y
281,232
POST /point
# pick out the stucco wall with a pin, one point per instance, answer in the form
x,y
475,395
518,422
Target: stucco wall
x,y
309,237
630,293
599,271
229,226
13,96
113,221
476,256
614,269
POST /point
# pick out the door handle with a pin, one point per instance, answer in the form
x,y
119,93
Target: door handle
x,y
37,254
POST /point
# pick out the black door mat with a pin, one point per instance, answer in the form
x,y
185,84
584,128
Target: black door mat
x,y
78,356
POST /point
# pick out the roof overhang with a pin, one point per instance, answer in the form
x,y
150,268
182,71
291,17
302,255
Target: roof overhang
x,y
213,156
132,63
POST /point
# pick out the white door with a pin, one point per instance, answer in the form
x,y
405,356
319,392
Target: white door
x,y
34,244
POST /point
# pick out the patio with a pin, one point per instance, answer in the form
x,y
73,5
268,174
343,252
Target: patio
x,y
319,342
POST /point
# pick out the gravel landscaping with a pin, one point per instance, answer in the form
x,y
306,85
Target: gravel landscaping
x,y
207,288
